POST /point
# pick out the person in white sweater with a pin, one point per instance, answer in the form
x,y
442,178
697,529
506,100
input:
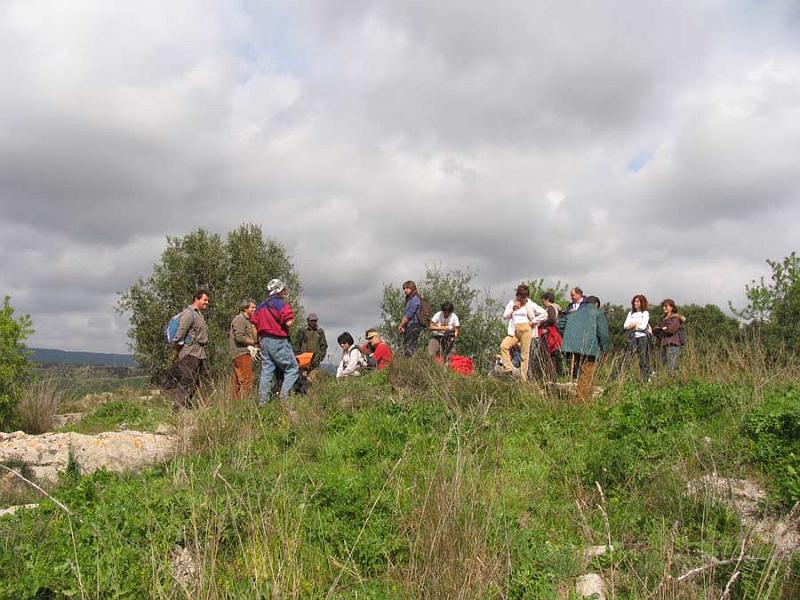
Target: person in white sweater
x,y
523,316
352,359
637,325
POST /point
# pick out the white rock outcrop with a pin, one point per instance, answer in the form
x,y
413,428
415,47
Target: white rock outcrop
x,y
747,499
590,586
6,512
44,456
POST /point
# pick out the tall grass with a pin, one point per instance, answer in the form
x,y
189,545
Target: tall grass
x,y
38,405
419,483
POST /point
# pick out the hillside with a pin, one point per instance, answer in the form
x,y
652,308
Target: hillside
x,y
49,356
415,482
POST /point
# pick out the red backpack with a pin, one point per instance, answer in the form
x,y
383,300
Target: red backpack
x,y
462,364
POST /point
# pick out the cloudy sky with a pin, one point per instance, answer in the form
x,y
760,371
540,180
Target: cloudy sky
x,y
625,146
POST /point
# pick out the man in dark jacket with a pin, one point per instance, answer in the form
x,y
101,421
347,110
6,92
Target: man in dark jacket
x,y
311,338
585,332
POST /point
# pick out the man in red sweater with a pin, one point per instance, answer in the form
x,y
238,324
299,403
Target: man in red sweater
x,y
377,351
272,319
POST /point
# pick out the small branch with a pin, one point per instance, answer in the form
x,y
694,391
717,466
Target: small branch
x,y
712,565
736,572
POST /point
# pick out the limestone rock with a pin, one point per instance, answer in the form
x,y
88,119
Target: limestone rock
x,y
590,586
4,512
60,421
746,499
571,387
48,454
593,551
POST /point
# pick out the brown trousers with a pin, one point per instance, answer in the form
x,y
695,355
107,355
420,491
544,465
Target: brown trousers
x,y
242,377
585,365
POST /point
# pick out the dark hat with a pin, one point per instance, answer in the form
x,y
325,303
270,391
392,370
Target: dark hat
x,y
313,317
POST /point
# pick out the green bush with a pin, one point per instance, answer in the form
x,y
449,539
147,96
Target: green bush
x,y
642,429
774,428
14,363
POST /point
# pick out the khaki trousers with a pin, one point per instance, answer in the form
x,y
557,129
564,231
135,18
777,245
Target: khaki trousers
x,y
522,336
242,377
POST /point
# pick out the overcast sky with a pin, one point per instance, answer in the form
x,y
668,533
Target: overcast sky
x,y
623,146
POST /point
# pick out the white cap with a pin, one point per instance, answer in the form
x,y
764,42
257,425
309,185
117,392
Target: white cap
x,y
275,286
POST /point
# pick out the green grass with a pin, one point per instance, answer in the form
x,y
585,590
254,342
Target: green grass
x,y
128,412
417,483
76,380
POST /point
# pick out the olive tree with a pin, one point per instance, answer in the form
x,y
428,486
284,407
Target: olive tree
x,y
231,270
479,313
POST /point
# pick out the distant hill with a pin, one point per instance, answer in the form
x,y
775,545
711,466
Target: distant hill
x,y
48,356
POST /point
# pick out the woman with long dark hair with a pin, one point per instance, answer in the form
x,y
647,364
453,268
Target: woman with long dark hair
x,y
637,326
410,325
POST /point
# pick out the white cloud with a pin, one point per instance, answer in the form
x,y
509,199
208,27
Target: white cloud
x,y
624,147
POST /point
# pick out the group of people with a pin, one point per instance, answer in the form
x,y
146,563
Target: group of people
x,y
580,333
535,334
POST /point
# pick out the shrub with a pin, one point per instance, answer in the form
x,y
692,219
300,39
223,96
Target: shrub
x,y
642,427
774,428
14,364
38,405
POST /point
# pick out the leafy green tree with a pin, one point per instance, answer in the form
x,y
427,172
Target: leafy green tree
x,y
238,268
708,323
14,357
773,307
559,290
615,315
479,313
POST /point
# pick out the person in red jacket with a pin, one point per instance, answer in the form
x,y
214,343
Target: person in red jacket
x,y
376,350
272,319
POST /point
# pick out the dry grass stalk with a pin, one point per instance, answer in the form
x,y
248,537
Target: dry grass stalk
x,y
454,549
38,406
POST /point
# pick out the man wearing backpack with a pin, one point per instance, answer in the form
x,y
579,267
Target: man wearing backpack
x,y
272,319
416,317
190,343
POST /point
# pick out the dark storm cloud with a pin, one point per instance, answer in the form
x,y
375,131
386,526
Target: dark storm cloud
x,y
631,145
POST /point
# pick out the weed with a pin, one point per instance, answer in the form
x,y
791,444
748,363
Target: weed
x,y
38,405
774,428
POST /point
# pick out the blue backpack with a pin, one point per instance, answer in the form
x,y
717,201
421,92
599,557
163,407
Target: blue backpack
x,y
171,331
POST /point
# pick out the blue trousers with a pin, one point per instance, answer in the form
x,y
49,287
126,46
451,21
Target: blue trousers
x,y
276,353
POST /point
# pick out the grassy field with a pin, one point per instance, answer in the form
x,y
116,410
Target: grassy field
x,y
76,381
418,483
